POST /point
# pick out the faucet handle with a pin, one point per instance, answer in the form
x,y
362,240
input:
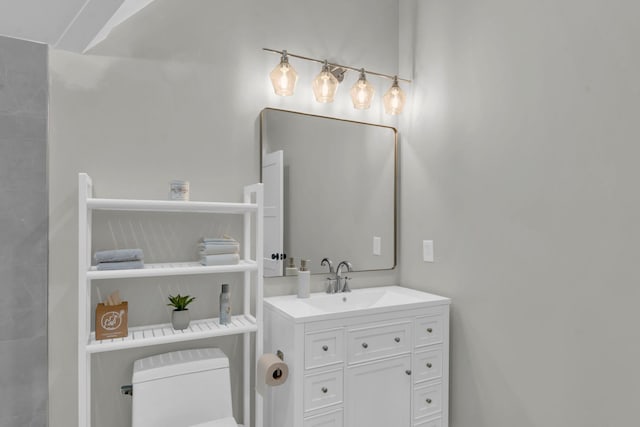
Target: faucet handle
x,y
345,287
331,286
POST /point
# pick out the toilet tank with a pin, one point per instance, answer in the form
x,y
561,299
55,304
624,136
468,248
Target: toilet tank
x,y
181,388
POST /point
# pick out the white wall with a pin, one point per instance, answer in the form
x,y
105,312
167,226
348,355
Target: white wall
x,y
176,93
521,163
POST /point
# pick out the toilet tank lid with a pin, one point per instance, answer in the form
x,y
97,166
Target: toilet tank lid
x,y
178,363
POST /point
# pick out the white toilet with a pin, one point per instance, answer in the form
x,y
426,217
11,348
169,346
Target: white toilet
x,y
185,388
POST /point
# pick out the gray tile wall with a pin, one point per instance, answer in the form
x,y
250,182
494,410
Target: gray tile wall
x,y
23,233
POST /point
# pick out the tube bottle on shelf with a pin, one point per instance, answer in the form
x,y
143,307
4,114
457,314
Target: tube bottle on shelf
x,y
225,305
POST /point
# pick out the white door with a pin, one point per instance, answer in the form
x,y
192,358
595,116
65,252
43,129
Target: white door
x,y
273,180
378,394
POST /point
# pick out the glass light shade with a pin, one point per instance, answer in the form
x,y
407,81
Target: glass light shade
x,y
283,77
394,99
362,93
325,85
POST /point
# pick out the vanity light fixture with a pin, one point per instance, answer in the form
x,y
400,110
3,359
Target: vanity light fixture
x,y
362,92
394,99
325,85
283,77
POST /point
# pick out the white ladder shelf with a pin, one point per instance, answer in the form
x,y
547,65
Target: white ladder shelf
x,y
245,323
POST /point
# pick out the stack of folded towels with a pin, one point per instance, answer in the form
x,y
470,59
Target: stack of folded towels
x,y
219,251
119,259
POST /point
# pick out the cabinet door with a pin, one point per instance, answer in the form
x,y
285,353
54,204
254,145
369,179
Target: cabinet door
x,y
378,394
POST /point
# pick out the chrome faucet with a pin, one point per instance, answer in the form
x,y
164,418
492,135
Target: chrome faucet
x,y
332,286
345,286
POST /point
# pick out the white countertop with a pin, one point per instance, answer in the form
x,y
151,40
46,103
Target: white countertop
x,y
359,301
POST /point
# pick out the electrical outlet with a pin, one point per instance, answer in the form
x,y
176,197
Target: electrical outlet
x,y
427,250
377,244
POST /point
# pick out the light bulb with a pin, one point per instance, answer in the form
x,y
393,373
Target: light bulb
x,y
325,85
362,92
394,99
283,77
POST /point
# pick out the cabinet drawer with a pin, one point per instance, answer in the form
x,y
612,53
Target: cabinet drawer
x,y
323,348
378,341
427,365
427,400
322,390
429,423
429,330
332,419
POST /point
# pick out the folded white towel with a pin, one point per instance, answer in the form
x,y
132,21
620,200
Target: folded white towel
x,y
219,241
224,259
206,249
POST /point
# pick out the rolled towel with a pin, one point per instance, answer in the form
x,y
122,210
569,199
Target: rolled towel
x,y
225,259
121,265
218,249
117,255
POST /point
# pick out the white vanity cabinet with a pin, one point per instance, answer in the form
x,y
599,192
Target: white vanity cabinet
x,y
381,362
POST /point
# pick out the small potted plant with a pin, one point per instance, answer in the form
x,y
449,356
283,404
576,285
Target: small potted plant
x,y
180,315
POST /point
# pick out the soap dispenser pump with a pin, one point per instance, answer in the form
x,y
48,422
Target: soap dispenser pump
x,y
304,278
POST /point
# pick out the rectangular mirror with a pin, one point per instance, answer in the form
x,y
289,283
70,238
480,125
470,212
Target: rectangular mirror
x,y
330,191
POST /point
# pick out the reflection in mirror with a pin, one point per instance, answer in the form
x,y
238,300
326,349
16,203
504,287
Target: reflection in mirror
x,y
330,191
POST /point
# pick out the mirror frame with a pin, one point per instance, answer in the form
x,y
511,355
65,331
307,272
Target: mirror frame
x,y
395,171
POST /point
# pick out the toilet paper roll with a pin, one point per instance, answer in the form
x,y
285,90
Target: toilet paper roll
x,y
271,372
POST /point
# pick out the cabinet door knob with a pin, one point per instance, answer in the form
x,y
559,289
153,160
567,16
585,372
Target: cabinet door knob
x,y
365,345
429,401
325,390
325,347
429,330
429,365
397,339
408,372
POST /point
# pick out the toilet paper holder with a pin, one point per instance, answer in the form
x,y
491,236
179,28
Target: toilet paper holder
x,y
280,354
126,390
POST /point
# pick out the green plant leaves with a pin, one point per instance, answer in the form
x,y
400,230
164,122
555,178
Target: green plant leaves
x,y
180,302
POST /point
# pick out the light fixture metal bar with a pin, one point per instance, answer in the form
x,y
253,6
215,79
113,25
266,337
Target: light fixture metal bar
x,y
332,64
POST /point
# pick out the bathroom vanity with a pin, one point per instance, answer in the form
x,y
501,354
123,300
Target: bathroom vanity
x,y
375,357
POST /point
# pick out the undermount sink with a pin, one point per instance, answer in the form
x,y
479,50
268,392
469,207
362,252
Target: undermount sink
x,y
378,299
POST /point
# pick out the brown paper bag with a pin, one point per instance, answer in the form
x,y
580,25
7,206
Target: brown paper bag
x,y
111,321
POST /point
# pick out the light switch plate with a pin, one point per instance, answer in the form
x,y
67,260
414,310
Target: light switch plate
x,y
427,250
377,243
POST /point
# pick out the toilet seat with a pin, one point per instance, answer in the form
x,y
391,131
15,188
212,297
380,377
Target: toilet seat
x,y
223,422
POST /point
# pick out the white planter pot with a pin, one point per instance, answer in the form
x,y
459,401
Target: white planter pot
x,y
180,319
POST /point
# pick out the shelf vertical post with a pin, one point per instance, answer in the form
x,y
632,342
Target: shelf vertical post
x,y
85,188
258,190
246,254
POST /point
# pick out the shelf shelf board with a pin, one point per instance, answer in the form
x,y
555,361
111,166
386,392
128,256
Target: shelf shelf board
x,y
163,334
172,269
170,206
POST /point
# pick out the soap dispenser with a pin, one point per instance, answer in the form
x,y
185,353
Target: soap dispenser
x,y
304,278
291,269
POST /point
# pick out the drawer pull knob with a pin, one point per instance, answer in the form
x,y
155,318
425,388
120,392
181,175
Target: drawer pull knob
x,y
429,330
429,401
408,372
397,339
325,347
325,390
429,365
365,345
